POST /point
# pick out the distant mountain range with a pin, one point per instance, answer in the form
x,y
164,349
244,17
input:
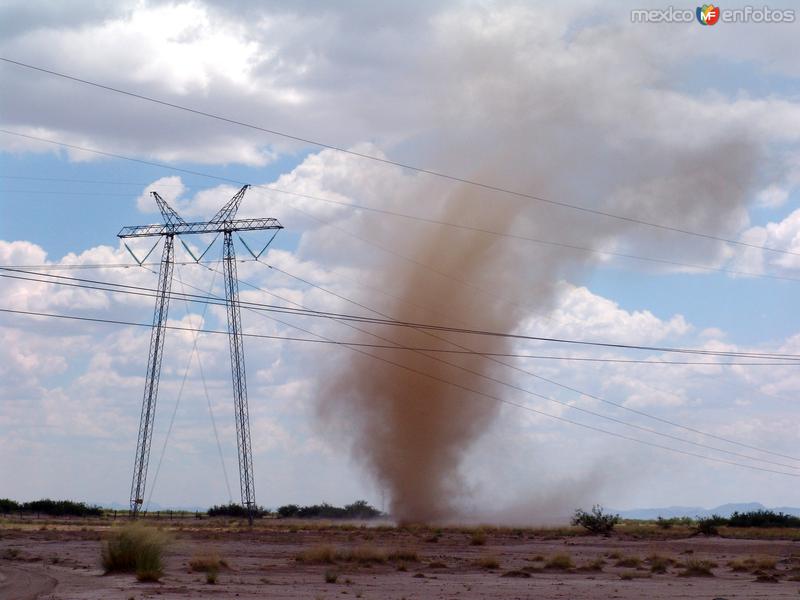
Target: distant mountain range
x,y
725,510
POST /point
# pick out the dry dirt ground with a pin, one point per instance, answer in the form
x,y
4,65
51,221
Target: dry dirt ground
x,y
61,560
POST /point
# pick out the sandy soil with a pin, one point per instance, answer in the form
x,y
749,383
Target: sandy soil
x,y
62,561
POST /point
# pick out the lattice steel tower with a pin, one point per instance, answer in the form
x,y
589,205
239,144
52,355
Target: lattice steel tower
x,y
224,223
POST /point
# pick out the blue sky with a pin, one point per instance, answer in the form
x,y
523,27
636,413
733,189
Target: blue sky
x,y
578,105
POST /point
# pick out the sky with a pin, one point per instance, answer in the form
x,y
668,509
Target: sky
x,y
687,126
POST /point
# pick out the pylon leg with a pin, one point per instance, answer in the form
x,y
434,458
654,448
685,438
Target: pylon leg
x,y
239,379
151,379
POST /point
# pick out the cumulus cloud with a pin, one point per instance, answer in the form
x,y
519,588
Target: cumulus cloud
x,y
589,111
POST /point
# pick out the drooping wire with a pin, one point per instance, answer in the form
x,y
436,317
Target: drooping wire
x,y
481,230
527,391
387,161
149,292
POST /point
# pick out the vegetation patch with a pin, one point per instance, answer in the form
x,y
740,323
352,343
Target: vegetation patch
x,y
488,561
698,568
135,548
360,509
597,521
207,562
54,508
630,575
404,554
235,510
710,525
560,562
331,576
478,538
630,562
659,564
596,565
321,554
751,564
327,554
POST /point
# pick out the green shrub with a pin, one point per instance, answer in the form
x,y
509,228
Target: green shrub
x,y
55,508
287,511
7,505
665,523
763,518
710,525
360,509
135,548
235,510
596,521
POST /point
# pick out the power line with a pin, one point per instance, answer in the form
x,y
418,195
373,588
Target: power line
x,y
557,383
434,377
473,229
439,174
67,267
148,292
537,395
92,181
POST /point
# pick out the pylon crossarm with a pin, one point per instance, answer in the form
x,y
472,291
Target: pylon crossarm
x,y
198,227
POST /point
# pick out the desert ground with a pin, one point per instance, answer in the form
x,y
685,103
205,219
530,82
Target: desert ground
x,y
60,559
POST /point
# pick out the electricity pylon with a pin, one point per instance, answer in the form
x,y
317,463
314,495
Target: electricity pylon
x,y
224,222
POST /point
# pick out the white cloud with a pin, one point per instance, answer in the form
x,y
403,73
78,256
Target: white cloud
x,y
512,94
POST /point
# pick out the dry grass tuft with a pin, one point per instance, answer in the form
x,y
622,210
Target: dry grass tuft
x,y
404,554
135,548
752,564
659,564
630,575
629,562
206,563
365,555
561,562
331,576
596,565
695,567
478,538
321,554
488,561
